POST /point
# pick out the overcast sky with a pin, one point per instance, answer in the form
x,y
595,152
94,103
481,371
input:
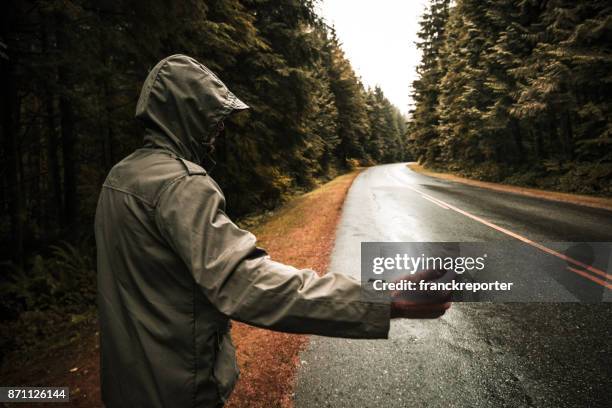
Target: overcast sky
x,y
378,37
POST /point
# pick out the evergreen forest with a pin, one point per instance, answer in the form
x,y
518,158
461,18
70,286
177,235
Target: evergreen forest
x,y
517,91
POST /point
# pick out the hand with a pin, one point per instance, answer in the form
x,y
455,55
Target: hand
x,y
409,310
421,304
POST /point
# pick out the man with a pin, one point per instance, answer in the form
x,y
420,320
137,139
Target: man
x,y
173,269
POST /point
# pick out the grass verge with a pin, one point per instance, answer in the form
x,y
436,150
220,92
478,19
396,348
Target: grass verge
x,y
300,233
579,199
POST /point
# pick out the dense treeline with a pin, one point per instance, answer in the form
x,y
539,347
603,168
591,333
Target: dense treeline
x,y
517,91
72,71
71,75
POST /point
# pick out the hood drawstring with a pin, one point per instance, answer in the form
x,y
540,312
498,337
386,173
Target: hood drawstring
x,y
208,147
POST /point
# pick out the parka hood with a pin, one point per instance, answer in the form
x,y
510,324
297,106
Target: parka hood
x,y
181,104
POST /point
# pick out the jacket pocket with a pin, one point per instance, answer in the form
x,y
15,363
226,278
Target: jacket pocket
x,y
225,371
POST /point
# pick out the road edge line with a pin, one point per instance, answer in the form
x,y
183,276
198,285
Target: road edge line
x,y
526,240
601,203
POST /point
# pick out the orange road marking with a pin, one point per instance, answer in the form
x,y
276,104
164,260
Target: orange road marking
x,y
527,241
591,277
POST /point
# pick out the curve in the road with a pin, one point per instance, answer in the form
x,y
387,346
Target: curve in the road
x,y
478,354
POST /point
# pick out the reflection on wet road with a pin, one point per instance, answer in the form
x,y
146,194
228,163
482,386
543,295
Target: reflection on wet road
x,y
478,354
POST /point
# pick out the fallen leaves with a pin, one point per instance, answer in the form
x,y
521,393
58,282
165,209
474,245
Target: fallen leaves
x,y
301,234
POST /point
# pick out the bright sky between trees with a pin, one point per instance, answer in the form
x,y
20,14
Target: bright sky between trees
x,y
378,37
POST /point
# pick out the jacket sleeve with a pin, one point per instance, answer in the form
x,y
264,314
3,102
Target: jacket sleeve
x,y
241,280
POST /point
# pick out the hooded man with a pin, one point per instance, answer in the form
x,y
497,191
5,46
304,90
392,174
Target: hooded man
x,y
173,269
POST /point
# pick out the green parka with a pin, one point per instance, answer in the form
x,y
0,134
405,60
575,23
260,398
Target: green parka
x,y
173,269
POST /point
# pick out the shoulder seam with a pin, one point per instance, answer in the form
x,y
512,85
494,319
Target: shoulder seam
x,y
131,193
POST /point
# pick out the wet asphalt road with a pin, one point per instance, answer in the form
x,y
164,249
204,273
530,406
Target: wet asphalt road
x,y
478,354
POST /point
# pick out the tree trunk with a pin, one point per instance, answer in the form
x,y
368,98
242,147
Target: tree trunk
x,y
10,106
518,139
68,160
66,110
540,150
36,193
569,135
553,135
108,134
55,206
55,182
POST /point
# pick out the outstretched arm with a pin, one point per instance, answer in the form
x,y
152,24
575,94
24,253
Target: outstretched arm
x,y
245,284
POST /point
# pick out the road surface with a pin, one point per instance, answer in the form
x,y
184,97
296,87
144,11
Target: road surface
x,y
478,354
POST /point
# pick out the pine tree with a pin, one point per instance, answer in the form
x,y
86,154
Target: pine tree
x,y
353,124
72,72
524,93
425,119
385,143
